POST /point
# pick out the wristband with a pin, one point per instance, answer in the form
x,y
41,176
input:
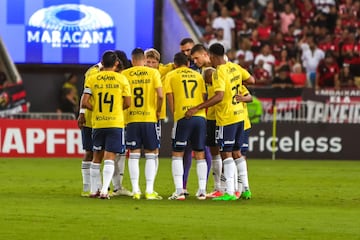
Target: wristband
x,y
82,110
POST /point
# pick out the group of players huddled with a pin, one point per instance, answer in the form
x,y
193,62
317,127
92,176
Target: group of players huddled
x,y
122,107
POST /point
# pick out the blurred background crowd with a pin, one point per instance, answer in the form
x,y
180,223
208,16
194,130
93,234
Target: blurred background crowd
x,y
286,43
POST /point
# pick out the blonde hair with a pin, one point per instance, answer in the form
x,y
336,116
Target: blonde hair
x,y
152,53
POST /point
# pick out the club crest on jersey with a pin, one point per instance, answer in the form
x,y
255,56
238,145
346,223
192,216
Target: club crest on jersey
x,y
70,25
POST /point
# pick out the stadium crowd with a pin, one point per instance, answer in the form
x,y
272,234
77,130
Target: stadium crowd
x,y
311,43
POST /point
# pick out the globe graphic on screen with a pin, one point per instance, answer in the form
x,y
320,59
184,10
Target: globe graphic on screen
x,y
71,17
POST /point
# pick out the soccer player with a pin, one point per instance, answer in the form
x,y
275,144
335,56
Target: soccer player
x,y
152,59
227,81
142,118
185,88
117,180
201,58
186,44
85,124
111,94
243,189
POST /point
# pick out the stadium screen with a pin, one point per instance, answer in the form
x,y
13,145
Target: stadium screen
x,y
73,31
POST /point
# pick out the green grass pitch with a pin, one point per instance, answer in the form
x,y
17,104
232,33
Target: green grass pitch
x,y
40,199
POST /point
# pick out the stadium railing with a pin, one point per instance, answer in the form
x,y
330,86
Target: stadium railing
x,y
42,116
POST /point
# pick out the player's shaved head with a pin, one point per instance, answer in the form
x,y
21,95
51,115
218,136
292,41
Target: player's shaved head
x,y
180,59
109,59
198,48
137,54
217,49
185,41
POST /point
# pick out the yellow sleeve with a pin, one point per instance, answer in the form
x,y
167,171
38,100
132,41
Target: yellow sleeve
x,y
244,74
244,91
126,88
218,81
168,88
157,78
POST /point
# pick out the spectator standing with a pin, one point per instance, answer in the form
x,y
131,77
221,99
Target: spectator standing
x,y
311,56
283,61
69,98
286,18
261,75
267,58
227,23
327,73
346,79
67,102
219,38
245,51
264,30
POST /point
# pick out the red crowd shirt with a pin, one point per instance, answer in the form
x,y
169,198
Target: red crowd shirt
x,y
260,73
327,74
328,46
264,32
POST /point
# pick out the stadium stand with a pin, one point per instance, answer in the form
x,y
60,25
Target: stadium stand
x,y
292,26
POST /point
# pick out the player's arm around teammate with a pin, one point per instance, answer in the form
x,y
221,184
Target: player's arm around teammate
x,y
227,81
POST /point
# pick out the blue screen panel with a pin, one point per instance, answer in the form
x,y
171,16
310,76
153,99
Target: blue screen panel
x,y
74,31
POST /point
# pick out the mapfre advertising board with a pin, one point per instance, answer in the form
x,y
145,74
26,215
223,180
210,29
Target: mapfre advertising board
x,y
62,138
40,138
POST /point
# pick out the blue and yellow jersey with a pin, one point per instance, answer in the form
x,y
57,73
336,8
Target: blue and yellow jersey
x,y
107,89
228,78
143,82
188,89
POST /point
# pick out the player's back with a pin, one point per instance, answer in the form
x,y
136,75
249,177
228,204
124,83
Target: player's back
x,y
188,88
108,89
228,78
143,82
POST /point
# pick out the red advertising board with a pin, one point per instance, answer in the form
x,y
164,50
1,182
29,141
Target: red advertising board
x,y
40,138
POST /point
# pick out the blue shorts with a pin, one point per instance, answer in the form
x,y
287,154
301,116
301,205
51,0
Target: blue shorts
x,y
228,138
86,136
142,134
191,130
244,142
109,139
210,133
